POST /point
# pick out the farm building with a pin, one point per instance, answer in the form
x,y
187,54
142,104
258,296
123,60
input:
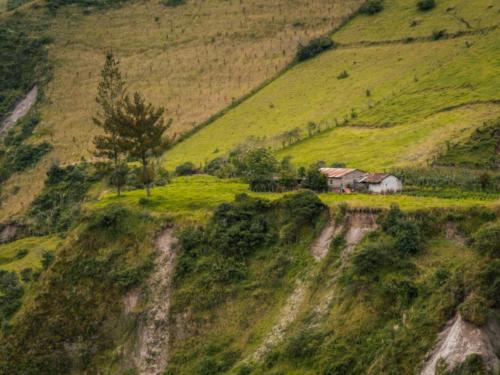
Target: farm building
x,y
381,183
341,178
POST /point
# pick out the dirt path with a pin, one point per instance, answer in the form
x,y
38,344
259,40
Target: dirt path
x,y
20,110
154,333
322,243
459,339
357,225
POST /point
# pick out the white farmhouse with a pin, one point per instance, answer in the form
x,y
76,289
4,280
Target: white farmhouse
x,y
381,183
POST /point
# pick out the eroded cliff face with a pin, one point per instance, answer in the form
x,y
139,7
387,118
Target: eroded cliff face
x,y
460,339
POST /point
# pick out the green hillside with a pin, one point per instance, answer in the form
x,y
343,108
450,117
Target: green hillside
x,y
395,87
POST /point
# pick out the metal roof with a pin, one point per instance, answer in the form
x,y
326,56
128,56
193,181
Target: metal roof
x,y
336,172
374,178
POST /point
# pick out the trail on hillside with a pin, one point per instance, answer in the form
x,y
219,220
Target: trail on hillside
x,y
154,332
460,339
20,110
357,224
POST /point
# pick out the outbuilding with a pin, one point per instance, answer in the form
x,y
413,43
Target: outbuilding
x,y
341,178
381,183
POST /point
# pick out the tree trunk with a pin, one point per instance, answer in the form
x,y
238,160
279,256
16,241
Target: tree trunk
x,y
118,187
145,175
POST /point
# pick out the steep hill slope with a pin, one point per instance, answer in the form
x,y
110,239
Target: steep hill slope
x,y
195,59
404,79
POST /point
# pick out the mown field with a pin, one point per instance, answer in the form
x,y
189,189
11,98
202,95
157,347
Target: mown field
x,y
194,59
395,87
195,197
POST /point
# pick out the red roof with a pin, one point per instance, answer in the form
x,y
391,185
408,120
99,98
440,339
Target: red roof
x,y
336,172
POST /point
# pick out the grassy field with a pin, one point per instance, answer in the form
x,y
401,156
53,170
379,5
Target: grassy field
x,y
35,247
193,59
407,83
194,198
401,19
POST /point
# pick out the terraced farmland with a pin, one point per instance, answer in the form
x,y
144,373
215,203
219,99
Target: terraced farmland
x,y
407,90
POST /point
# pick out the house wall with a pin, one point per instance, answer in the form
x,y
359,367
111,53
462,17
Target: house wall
x,y
345,181
389,184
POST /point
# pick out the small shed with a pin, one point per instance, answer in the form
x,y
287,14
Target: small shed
x,y
381,183
341,178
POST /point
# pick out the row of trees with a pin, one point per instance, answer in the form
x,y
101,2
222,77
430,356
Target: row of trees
x,y
259,167
132,128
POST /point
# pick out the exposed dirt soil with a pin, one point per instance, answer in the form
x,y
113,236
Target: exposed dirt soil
x,y
20,110
322,243
154,330
460,339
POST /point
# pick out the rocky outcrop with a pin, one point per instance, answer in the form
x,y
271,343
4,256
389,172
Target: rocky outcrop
x,y
460,339
20,110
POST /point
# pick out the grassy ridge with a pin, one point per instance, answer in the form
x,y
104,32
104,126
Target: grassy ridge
x,y
406,81
194,198
35,246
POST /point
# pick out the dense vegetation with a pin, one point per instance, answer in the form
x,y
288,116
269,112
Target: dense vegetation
x,y
23,60
481,150
78,302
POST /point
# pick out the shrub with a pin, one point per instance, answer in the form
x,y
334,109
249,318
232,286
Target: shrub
x,y
241,227
173,3
110,219
372,258
489,283
185,169
439,34
10,294
487,239
303,345
313,48
47,259
26,274
343,75
22,253
315,180
474,309
408,237
473,365
425,5
372,7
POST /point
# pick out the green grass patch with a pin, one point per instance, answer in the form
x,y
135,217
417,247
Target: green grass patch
x,y
194,197
35,247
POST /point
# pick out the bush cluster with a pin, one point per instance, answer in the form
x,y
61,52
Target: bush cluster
x,y
425,5
11,292
372,7
57,206
313,48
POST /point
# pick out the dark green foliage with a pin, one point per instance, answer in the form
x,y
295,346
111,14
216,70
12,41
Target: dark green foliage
x,y
303,345
372,258
23,62
425,5
314,47
241,227
57,207
173,3
47,259
186,169
473,365
343,75
15,136
53,5
372,7
479,151
80,305
315,180
26,274
21,157
489,282
474,309
408,238
11,293
487,239
439,34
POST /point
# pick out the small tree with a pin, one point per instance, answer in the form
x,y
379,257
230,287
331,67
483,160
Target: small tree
x,y
109,94
315,180
260,167
425,5
140,128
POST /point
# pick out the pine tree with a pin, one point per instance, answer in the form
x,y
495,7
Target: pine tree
x,y
140,129
110,93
